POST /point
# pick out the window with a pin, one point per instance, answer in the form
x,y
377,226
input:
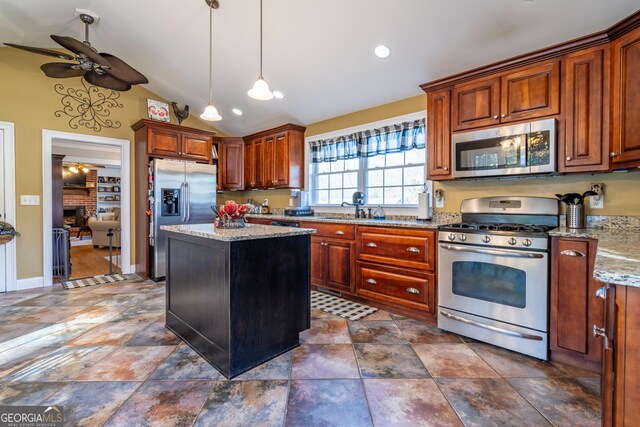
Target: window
x,y
394,177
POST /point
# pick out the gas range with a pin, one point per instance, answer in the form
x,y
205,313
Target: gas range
x,y
493,272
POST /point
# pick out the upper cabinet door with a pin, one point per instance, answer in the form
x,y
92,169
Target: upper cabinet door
x,y
439,134
196,147
626,101
586,143
254,164
476,104
531,92
163,142
231,163
281,161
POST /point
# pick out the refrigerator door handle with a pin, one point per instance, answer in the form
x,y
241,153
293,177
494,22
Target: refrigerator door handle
x,y
183,214
188,201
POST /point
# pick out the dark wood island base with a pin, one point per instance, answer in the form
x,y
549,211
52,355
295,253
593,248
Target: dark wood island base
x,y
238,303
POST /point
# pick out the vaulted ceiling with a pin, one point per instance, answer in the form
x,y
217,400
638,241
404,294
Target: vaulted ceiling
x,y
318,53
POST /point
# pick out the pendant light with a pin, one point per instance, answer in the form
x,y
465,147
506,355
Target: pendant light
x,y
260,89
210,112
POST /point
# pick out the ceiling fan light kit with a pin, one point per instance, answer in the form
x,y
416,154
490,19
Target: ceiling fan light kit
x,y
260,89
210,113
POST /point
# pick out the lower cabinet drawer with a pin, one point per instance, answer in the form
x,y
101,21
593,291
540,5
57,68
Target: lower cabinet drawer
x,y
397,247
414,289
338,231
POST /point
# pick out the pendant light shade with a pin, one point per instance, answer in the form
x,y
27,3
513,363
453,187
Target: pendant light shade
x,y
210,113
260,89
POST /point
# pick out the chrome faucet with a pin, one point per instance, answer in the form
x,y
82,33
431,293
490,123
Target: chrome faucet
x,y
359,212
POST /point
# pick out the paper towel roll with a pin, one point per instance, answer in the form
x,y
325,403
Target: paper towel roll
x,y
423,206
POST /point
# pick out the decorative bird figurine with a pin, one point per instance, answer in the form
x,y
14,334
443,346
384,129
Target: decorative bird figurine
x,y
180,114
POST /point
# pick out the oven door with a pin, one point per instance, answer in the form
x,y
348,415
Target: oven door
x,y
506,285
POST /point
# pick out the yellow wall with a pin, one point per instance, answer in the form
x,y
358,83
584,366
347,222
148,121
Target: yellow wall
x,y
622,190
28,99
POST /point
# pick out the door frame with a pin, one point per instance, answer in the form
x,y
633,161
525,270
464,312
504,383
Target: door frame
x,y
125,201
8,130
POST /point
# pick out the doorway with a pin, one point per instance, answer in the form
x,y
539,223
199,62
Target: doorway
x,y
88,177
8,281
91,201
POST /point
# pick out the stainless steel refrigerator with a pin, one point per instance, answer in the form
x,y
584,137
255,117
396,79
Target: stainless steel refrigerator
x,y
181,193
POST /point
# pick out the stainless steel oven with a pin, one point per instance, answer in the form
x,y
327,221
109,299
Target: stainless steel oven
x,y
520,149
493,272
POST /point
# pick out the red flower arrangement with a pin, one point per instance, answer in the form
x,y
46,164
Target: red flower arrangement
x,y
231,214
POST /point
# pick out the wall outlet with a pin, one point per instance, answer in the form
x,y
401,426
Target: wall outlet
x,y
438,196
596,202
29,200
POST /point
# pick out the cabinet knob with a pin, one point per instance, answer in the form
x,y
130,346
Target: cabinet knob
x,y
602,292
372,282
340,233
324,244
599,332
445,168
568,158
572,253
613,154
495,117
413,291
503,115
413,249
371,245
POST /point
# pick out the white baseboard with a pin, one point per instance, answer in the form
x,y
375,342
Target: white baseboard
x,y
30,283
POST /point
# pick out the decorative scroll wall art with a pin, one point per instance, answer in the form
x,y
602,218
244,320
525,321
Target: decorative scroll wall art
x,y
89,106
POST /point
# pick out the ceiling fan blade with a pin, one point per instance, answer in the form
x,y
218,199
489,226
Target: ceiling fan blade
x,y
41,51
61,70
106,81
80,48
123,71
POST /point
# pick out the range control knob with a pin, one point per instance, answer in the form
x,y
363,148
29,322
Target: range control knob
x,y
527,242
486,239
512,241
462,237
451,237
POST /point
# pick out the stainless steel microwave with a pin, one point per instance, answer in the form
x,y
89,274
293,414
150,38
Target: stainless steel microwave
x,y
521,149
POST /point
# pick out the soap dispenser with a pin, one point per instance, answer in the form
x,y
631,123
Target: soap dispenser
x,y
378,213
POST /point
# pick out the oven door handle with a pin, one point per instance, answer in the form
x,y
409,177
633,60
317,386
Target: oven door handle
x,y
492,252
491,328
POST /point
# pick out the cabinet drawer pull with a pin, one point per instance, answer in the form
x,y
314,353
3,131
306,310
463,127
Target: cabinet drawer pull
x,y
340,232
572,253
413,291
413,249
371,281
371,245
599,332
602,292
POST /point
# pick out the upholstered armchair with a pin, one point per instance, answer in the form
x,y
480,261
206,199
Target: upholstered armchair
x,y
100,228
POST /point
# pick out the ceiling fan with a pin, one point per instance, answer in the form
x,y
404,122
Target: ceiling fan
x,y
99,69
77,167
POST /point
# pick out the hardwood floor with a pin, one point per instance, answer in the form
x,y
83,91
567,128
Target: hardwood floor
x,y
89,261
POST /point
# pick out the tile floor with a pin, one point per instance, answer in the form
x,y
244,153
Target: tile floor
x,y
103,353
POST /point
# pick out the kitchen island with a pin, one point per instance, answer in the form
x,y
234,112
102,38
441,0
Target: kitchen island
x,y
238,297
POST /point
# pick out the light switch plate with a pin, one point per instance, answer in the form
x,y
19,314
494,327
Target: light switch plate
x,y
29,200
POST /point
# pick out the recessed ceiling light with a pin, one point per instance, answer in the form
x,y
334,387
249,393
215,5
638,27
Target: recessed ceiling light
x,y
382,51
237,111
278,94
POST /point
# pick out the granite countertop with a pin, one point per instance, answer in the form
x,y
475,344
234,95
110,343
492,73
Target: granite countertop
x,y
618,254
434,224
250,232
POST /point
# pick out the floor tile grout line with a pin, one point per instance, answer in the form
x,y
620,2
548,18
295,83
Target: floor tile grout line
x,y
123,403
453,408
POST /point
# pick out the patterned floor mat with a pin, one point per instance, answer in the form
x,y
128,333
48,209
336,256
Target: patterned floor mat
x,y
348,309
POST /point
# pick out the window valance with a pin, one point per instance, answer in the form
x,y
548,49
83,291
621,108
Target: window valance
x,y
386,139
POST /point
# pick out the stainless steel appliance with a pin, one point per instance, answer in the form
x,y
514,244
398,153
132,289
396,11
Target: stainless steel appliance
x,y
180,193
493,271
525,148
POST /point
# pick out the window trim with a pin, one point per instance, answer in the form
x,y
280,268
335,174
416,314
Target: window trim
x,y
345,131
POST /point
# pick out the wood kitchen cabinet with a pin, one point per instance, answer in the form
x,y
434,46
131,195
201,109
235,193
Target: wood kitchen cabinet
x,y
332,262
625,144
276,158
621,356
165,140
254,163
439,135
231,163
586,95
476,104
574,306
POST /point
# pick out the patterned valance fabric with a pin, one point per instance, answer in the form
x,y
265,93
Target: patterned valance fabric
x,y
386,139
